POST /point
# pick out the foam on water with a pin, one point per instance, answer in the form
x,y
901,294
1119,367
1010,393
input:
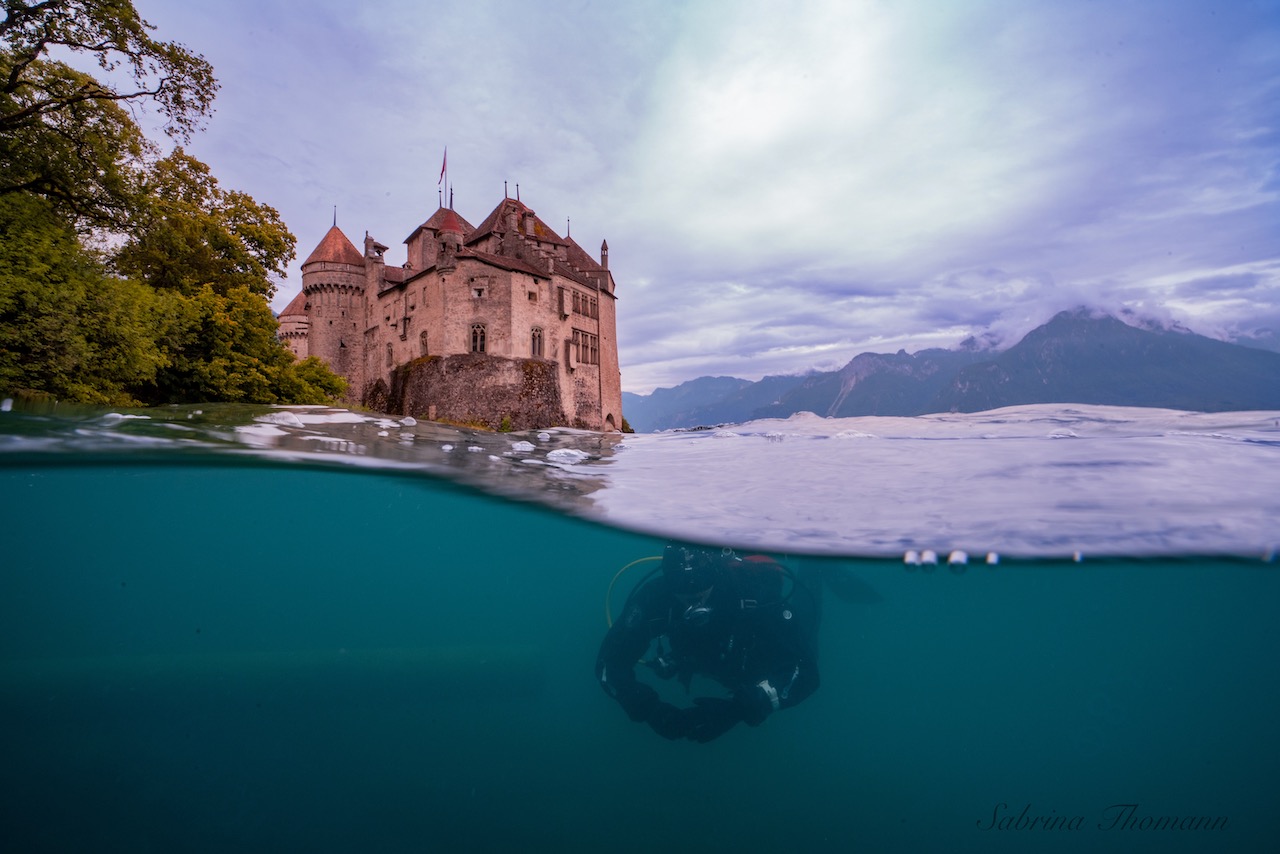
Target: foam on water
x,y
1043,481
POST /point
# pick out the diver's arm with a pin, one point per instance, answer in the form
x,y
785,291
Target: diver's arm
x,y
624,644
791,679
797,684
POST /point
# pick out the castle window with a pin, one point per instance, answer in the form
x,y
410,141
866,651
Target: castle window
x,y
422,343
586,348
477,338
535,345
477,292
388,355
586,305
533,296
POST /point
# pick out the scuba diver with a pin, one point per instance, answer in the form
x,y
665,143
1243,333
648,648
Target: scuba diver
x,y
747,623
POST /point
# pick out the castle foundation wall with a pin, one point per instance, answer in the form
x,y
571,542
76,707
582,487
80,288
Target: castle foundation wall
x,y
519,394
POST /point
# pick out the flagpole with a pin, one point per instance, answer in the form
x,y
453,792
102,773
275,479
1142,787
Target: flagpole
x,y
443,182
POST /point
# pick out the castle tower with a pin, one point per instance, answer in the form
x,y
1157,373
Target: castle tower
x,y
450,237
424,244
295,326
333,284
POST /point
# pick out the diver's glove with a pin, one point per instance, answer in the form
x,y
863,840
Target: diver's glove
x,y
711,717
637,699
756,703
669,722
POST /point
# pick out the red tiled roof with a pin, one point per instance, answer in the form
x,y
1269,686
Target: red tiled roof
x,y
450,222
336,248
579,258
297,305
436,222
495,222
486,226
568,272
506,263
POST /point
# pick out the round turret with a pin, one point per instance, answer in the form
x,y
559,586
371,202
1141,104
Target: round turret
x,y
333,282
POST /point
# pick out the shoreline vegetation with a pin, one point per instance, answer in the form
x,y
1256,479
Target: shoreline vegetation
x,y
129,276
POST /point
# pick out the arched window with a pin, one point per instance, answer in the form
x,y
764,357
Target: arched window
x,y
477,338
422,343
535,346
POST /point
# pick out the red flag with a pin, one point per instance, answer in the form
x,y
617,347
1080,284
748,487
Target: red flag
x,y
444,164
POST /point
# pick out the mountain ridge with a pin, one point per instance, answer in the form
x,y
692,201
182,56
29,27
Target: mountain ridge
x,y
1079,356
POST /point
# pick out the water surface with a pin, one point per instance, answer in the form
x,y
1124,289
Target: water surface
x,y
204,647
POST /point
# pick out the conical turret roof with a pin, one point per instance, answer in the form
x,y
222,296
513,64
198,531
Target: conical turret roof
x,y
451,222
436,223
297,305
336,248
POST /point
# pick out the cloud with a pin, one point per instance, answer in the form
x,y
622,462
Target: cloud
x,y
785,186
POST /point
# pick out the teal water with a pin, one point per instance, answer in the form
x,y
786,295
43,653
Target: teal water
x,y
278,657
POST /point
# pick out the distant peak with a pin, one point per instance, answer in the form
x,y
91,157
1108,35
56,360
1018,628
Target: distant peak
x,y
1083,312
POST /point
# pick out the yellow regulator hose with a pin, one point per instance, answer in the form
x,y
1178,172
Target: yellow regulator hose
x,y
608,614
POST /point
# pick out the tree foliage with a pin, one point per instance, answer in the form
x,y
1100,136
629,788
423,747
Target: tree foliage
x,y
221,345
181,83
67,328
81,158
189,233
177,311
63,133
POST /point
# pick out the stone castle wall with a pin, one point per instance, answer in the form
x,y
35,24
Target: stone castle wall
x,y
474,389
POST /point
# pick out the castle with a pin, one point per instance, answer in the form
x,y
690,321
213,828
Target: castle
x,y
502,324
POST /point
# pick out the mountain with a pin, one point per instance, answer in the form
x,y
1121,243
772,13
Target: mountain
x,y
672,407
1085,357
744,404
876,384
1079,356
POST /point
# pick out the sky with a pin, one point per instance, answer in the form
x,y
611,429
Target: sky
x,y
785,185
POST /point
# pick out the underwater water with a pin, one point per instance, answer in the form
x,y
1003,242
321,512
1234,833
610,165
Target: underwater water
x,y
218,633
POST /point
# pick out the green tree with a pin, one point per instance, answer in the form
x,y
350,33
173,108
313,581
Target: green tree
x,y
188,232
212,256
222,346
185,317
67,329
80,158
63,133
310,381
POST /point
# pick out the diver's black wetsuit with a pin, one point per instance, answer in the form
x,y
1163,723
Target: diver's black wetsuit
x,y
757,641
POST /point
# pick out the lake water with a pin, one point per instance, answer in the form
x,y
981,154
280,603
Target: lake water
x,y
261,629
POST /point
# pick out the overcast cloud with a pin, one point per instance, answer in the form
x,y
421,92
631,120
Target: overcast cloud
x,y
784,186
